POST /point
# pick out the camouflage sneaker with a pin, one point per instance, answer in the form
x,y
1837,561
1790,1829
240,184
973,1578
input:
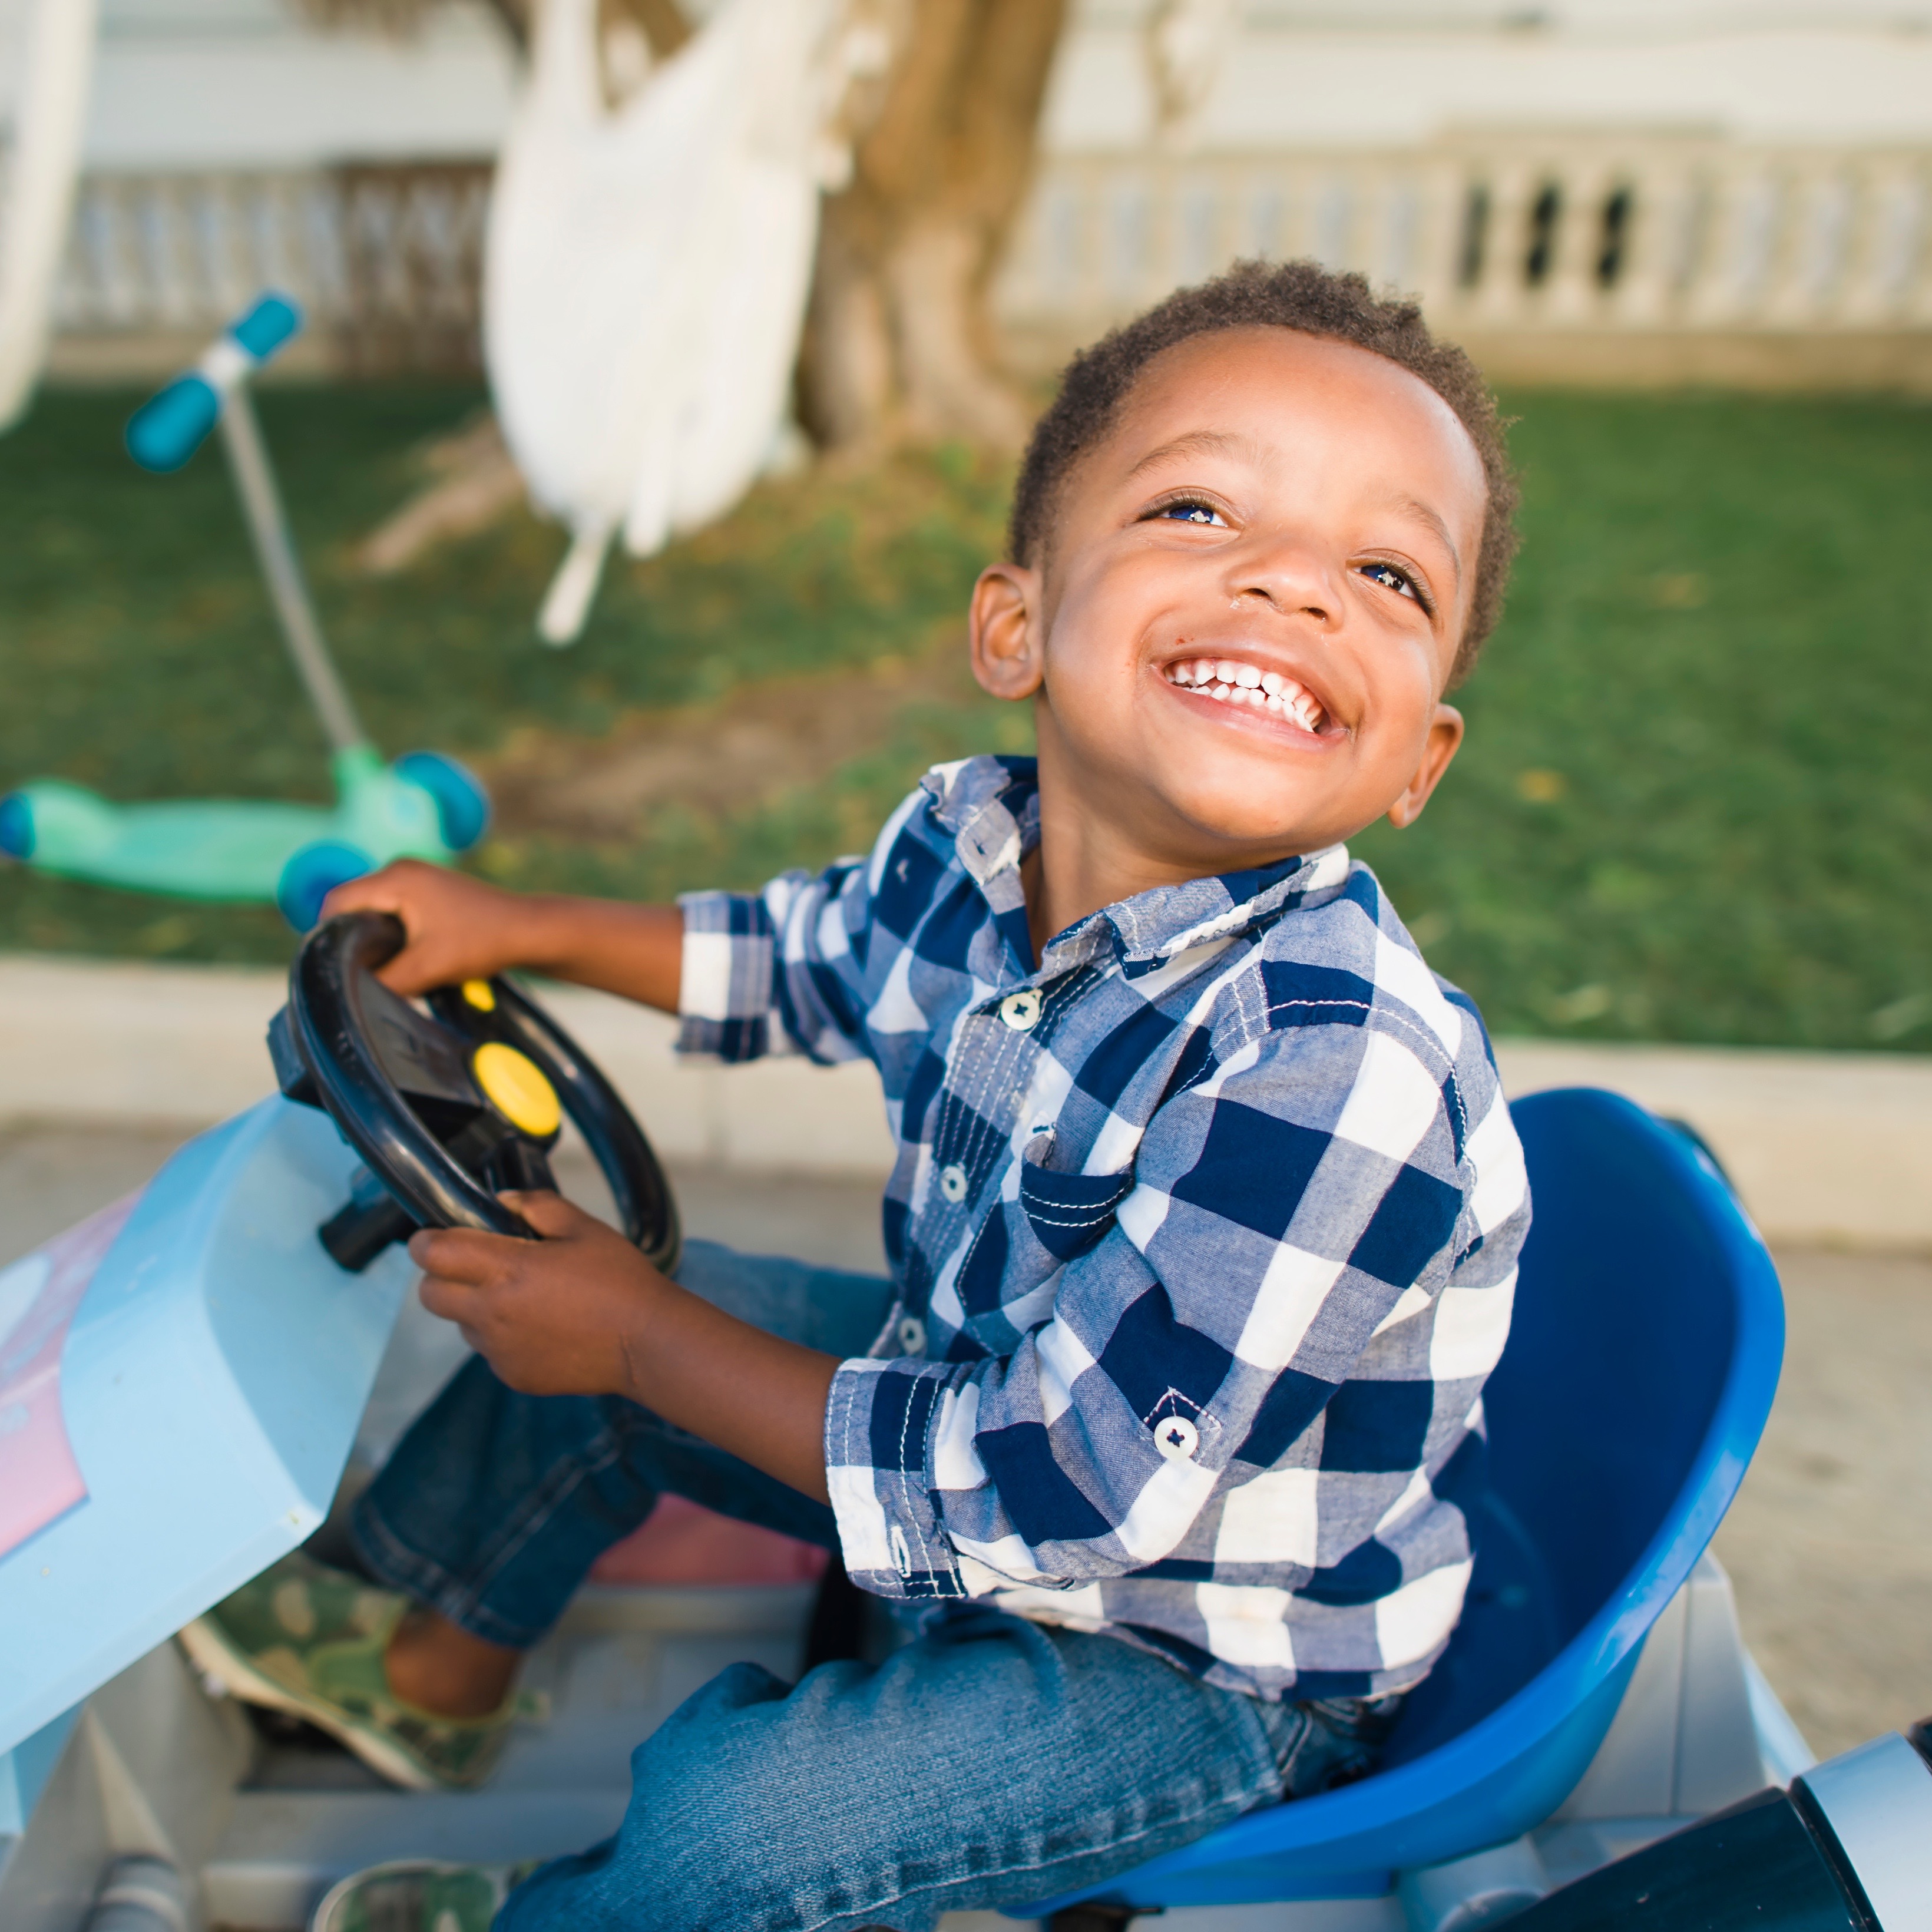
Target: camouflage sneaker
x,y
308,1639
414,1895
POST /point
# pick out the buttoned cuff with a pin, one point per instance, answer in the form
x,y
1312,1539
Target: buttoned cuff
x,y
878,1431
725,987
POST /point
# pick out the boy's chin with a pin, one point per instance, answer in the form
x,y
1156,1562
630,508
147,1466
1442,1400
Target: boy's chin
x,y
1243,835
1244,826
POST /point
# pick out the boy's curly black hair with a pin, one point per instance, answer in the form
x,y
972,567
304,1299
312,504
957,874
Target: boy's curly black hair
x,y
1301,295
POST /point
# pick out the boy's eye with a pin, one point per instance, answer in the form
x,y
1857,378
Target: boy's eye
x,y
1189,511
1390,578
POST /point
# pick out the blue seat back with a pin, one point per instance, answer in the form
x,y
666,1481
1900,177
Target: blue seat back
x,y
1642,1357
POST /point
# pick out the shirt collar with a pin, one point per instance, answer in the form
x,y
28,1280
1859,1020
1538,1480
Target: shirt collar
x,y
992,807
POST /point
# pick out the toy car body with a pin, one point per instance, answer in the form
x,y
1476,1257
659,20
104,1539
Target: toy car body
x,y
191,1371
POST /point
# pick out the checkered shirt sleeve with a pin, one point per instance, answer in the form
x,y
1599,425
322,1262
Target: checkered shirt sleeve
x,y
781,971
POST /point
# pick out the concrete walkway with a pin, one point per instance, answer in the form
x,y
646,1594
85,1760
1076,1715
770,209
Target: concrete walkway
x,y
1824,1147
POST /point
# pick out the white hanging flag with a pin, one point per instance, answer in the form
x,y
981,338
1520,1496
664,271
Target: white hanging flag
x,y
647,269
49,117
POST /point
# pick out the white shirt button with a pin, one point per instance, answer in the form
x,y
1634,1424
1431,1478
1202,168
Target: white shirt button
x,y
952,1183
1020,1010
912,1335
1176,1438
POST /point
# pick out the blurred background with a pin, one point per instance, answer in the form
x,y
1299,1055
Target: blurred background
x,y
1691,241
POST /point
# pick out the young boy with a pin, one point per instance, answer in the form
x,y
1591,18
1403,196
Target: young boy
x,y
1203,1230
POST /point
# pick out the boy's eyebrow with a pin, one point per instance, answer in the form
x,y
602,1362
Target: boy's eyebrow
x,y
1416,507
1199,442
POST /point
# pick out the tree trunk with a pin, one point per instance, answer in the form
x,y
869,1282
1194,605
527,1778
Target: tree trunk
x,y
898,341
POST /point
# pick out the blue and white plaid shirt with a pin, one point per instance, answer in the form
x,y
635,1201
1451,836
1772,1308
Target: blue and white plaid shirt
x,y
1204,1229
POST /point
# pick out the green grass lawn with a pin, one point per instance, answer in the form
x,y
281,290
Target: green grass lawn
x,y
1694,803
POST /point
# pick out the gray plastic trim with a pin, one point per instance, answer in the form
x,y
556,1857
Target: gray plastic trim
x,y
1878,1801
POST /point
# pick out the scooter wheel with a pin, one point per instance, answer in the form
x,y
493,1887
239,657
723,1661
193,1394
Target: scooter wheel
x,y
312,874
17,825
462,804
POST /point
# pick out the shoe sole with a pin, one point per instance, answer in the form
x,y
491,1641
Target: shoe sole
x,y
213,1656
328,1915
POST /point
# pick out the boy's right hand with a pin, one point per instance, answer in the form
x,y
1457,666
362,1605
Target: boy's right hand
x,y
459,927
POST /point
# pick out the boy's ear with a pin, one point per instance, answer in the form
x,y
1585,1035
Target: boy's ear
x,y
1445,738
1005,631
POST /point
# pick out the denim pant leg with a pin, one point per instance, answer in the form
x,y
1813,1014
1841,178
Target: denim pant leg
x,y
494,1505
989,1763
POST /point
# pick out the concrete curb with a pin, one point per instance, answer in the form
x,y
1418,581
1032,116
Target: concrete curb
x,y
1831,1148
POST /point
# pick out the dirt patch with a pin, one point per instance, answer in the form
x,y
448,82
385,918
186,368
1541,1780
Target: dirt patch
x,y
759,742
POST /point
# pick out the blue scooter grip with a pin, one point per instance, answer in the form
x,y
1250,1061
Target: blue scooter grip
x,y
266,326
169,427
171,424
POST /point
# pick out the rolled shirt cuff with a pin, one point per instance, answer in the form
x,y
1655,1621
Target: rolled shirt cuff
x,y
878,1427
724,988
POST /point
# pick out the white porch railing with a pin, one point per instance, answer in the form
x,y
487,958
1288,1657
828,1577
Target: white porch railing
x,y
169,251
386,258
1637,234
1632,235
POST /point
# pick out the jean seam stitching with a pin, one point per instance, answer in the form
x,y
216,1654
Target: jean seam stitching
x,y
1248,1804
1013,1871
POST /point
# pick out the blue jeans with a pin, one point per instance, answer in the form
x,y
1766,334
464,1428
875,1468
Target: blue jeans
x,y
987,1762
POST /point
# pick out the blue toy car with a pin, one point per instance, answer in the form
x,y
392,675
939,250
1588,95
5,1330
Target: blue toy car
x,y
182,1380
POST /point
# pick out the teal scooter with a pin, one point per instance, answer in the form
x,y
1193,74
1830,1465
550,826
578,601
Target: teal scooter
x,y
423,806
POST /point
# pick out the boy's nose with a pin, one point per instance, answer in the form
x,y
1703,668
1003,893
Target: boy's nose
x,y
1290,577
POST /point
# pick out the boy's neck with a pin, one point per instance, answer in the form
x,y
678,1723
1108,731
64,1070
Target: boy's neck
x,y
1088,858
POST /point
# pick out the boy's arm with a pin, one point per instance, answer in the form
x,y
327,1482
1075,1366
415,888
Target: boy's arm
x,y
582,1313
460,929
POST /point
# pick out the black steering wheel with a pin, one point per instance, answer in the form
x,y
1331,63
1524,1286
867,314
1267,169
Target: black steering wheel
x,y
447,1108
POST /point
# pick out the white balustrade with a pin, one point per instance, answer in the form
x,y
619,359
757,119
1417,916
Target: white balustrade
x,y
1642,234
384,257
1646,233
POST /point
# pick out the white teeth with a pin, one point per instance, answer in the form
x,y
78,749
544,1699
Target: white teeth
x,y
1229,682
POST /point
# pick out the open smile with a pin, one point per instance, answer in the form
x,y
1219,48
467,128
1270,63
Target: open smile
x,y
1231,681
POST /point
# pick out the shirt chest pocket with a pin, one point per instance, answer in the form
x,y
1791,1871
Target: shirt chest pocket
x,y
1068,1212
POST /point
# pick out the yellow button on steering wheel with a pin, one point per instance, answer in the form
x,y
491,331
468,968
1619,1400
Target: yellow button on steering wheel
x,y
516,1089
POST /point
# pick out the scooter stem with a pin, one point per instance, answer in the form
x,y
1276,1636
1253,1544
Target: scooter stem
x,y
248,457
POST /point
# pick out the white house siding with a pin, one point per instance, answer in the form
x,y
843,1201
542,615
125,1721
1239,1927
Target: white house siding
x,y
248,84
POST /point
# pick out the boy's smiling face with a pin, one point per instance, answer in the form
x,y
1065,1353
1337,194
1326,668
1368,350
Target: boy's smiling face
x,y
1249,607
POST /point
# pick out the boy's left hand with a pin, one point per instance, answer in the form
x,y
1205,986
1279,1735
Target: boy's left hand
x,y
560,1316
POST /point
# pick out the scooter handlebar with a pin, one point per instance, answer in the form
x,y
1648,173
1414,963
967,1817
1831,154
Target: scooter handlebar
x,y
171,424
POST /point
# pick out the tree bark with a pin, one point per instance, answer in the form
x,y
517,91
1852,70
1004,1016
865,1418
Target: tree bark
x,y
898,342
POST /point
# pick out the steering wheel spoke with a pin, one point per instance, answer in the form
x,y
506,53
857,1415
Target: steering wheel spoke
x,y
522,1165
428,1061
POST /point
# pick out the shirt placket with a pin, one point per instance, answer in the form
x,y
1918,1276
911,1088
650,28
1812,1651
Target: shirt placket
x,y
992,1048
